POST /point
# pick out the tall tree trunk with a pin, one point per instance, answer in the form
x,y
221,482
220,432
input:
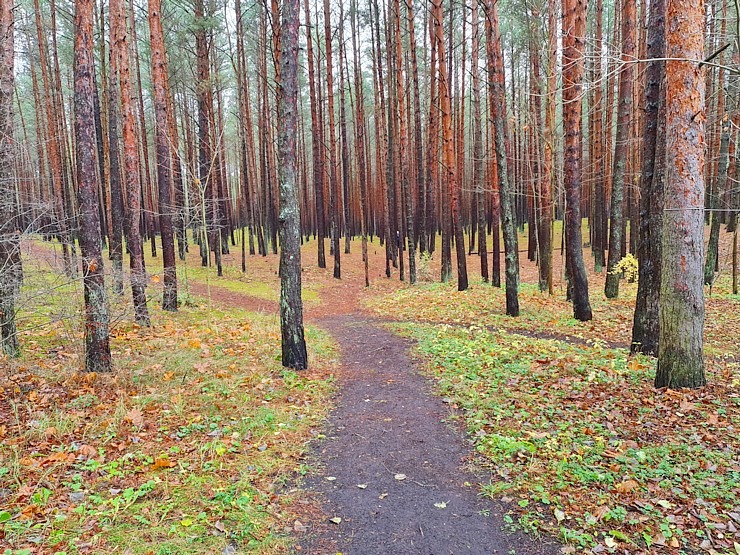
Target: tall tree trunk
x,y
621,149
97,345
336,194
418,142
432,167
549,159
316,146
712,257
404,155
118,216
459,148
574,34
680,356
597,158
343,138
496,89
209,239
646,326
53,148
291,306
478,170
131,165
11,270
164,153
146,179
448,156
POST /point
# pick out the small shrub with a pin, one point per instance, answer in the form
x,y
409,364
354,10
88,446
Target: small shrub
x,y
424,270
628,266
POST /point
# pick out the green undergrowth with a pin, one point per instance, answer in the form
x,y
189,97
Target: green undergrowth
x,y
485,305
582,445
259,281
189,446
235,281
548,315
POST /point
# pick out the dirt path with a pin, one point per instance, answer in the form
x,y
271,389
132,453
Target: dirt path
x,y
388,425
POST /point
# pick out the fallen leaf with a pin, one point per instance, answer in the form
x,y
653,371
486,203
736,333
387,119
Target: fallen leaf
x,y
335,520
135,416
163,462
298,526
601,512
627,486
441,505
87,452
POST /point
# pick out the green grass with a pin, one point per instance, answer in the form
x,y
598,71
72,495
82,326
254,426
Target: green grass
x,y
259,281
577,437
188,446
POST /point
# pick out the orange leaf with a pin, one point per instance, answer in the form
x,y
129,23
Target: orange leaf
x,y
163,462
627,486
87,451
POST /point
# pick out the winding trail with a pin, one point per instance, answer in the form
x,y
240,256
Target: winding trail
x,y
391,468
387,425
398,477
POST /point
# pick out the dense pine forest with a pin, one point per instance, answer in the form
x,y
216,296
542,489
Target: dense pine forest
x,y
322,277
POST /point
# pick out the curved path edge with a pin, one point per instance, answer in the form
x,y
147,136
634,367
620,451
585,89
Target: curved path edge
x,y
391,468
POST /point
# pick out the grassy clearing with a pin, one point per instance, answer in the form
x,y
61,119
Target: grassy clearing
x,y
583,445
260,280
484,305
189,446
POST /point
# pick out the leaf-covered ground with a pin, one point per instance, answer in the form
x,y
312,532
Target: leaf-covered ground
x,y
541,314
577,436
190,446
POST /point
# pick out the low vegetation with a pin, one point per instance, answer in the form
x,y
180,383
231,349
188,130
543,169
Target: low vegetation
x,y
190,446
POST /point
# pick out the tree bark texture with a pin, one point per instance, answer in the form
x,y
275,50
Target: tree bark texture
x,y
496,88
574,32
11,270
164,154
621,149
97,345
646,325
680,356
294,353
131,167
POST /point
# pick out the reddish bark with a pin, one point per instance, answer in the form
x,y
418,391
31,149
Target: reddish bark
x,y
574,32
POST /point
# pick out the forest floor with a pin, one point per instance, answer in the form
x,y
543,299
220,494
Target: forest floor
x,y
540,425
